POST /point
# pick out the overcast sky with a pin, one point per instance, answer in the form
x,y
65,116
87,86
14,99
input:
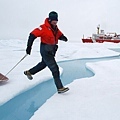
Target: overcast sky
x,y
78,17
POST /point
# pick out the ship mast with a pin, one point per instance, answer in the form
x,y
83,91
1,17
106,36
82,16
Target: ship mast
x,y
98,29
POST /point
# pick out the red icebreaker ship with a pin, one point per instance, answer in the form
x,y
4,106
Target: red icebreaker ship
x,y
101,37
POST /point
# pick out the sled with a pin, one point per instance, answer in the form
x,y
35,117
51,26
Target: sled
x,y
3,78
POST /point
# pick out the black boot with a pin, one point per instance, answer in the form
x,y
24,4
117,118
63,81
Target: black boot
x,y
28,74
63,90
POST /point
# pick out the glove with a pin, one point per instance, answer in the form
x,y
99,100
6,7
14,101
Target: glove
x,y
63,38
28,50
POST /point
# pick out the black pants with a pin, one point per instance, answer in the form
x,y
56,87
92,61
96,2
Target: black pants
x,y
48,59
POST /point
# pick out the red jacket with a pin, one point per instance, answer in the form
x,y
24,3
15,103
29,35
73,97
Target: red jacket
x,y
47,34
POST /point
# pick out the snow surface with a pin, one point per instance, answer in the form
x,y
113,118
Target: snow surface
x,y
94,98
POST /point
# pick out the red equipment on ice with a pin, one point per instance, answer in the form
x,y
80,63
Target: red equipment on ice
x,y
3,77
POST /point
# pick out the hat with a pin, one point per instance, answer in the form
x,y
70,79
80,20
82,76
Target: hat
x,y
53,16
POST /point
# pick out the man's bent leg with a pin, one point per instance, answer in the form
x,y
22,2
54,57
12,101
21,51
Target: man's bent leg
x,y
40,66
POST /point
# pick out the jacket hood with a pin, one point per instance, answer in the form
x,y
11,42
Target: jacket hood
x,y
47,22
